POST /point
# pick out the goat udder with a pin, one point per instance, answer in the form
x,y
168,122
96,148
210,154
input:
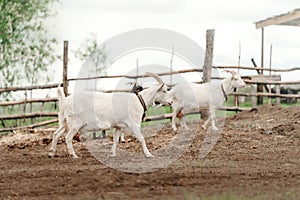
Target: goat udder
x,y
179,115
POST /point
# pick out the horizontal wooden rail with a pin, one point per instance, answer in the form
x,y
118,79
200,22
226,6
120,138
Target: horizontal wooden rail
x,y
29,115
11,103
35,87
272,82
266,95
44,123
169,115
147,118
54,85
139,76
257,68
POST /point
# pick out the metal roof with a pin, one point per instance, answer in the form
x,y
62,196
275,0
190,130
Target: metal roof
x,y
291,18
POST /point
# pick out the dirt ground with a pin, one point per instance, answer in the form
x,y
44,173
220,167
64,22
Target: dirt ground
x,y
256,156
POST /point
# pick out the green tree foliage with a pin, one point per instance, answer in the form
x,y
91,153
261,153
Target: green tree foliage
x,y
25,48
92,50
92,53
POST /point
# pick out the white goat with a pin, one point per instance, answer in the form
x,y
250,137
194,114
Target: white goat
x,y
94,111
192,97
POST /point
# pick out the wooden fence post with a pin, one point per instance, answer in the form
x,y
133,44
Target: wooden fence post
x,y
260,87
277,88
253,98
65,68
210,34
208,55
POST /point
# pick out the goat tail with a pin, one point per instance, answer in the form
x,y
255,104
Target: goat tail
x,y
61,113
60,93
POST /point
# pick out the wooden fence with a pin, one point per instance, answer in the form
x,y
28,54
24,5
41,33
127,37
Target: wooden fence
x,y
267,81
41,114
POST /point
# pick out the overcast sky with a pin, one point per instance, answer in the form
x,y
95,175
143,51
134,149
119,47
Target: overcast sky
x,y
231,19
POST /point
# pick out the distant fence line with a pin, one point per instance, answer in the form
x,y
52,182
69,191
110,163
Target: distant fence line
x,y
29,115
148,118
259,80
257,68
54,85
272,82
43,100
137,76
35,87
54,99
44,123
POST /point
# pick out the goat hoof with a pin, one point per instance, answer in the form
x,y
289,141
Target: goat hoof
x,y
112,155
123,141
203,127
51,155
75,156
215,129
150,156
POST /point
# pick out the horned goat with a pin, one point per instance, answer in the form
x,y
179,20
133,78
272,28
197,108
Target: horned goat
x,y
192,97
95,111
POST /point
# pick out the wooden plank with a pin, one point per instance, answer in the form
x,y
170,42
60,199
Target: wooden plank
x,y
49,86
266,95
282,19
29,115
10,103
158,117
44,123
139,76
272,82
169,115
257,68
34,87
262,78
234,108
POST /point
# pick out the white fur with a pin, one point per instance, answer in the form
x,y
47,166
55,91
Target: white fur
x,y
95,111
192,97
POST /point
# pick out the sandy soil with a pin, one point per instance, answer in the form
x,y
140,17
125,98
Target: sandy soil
x,y
258,154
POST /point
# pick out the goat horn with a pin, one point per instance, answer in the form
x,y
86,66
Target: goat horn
x,y
155,76
230,71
